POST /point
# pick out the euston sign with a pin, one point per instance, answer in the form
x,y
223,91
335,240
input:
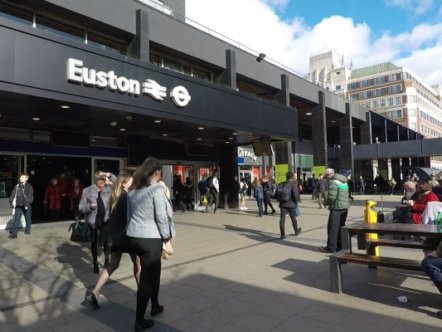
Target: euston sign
x,y
77,73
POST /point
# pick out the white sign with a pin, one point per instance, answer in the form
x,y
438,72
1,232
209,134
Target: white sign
x,y
77,73
247,153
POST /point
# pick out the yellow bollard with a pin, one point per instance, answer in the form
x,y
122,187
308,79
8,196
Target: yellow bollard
x,y
371,217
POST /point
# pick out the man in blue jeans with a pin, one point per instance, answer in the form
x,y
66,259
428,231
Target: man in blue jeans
x,y
21,199
432,266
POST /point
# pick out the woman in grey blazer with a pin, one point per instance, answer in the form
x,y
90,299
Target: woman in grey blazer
x,y
94,204
148,233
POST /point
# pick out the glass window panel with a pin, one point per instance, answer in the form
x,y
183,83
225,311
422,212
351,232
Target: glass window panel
x,y
59,28
16,14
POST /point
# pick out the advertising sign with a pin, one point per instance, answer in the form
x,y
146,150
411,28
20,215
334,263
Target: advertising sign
x,y
280,172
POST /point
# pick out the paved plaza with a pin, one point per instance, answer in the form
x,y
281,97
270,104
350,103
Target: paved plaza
x,y
230,272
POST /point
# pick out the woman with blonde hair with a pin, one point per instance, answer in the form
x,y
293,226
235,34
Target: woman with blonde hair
x,y
113,233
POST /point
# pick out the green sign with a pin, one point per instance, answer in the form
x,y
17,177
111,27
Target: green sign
x,y
280,172
317,170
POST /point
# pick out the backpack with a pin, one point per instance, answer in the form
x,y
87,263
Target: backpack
x,y
283,192
210,181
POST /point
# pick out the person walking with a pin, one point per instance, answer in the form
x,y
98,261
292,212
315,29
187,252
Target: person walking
x,y
322,188
94,203
213,185
21,200
361,185
288,202
203,189
392,184
338,202
258,192
114,232
148,233
242,194
267,188
52,199
75,196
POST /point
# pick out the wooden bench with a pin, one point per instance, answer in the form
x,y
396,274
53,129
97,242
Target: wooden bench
x,y
397,243
343,257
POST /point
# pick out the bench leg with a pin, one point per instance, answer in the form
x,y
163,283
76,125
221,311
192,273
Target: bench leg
x,y
335,275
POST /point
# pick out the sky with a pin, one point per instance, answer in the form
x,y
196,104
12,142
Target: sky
x,y
365,32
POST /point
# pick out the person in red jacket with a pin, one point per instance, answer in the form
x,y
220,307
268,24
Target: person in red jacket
x,y
52,199
425,195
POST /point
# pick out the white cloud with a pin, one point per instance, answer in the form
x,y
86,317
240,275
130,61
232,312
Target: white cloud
x,y
255,24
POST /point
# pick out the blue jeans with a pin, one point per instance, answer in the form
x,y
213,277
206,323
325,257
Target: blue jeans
x,y
19,211
259,202
433,268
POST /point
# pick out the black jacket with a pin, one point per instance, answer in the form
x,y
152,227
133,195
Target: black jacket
x,y
25,195
293,202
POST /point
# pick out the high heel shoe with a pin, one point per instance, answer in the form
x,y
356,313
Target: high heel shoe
x,y
94,301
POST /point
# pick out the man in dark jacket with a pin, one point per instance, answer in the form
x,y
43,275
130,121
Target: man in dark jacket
x,y
322,188
21,199
289,206
338,202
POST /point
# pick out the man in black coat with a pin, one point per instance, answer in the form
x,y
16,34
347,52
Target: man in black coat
x,y
289,206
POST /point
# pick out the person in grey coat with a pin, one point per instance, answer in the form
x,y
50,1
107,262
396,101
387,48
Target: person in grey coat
x,y
94,204
21,199
149,231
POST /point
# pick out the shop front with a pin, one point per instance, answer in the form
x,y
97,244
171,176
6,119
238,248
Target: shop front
x,y
68,108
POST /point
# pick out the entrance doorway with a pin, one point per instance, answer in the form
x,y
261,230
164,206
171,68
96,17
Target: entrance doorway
x,y
42,169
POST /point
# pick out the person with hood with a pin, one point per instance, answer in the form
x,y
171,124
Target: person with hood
x,y
338,202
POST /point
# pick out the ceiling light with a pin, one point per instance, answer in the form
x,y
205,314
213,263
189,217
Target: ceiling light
x,y
333,121
36,119
201,128
230,138
157,121
165,135
308,113
129,118
227,142
113,123
65,107
122,129
199,139
234,133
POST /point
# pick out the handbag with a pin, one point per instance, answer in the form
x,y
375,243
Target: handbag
x,y
297,212
81,231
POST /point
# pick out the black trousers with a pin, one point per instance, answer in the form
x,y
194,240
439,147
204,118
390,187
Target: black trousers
x,y
96,239
267,202
336,220
284,212
149,251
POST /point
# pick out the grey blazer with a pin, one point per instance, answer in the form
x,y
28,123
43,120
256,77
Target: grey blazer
x,y
90,196
148,215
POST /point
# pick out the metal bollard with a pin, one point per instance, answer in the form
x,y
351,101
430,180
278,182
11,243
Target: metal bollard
x,y
371,217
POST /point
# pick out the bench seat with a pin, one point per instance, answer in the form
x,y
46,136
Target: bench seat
x,y
343,257
398,243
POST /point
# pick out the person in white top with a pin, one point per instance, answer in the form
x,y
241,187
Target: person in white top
x,y
213,185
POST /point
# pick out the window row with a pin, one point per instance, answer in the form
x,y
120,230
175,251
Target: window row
x,y
375,81
430,119
427,131
378,92
392,101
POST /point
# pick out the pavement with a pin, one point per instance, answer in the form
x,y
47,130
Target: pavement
x,y
230,272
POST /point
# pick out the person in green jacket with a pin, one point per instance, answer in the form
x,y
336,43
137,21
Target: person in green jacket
x,y
338,202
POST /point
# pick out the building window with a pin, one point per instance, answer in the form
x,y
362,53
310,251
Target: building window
x,y
398,100
59,28
390,101
338,87
16,14
98,40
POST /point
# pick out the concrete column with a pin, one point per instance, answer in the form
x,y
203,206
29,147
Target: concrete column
x,y
385,130
400,167
346,139
229,77
284,98
319,132
366,132
389,169
139,46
